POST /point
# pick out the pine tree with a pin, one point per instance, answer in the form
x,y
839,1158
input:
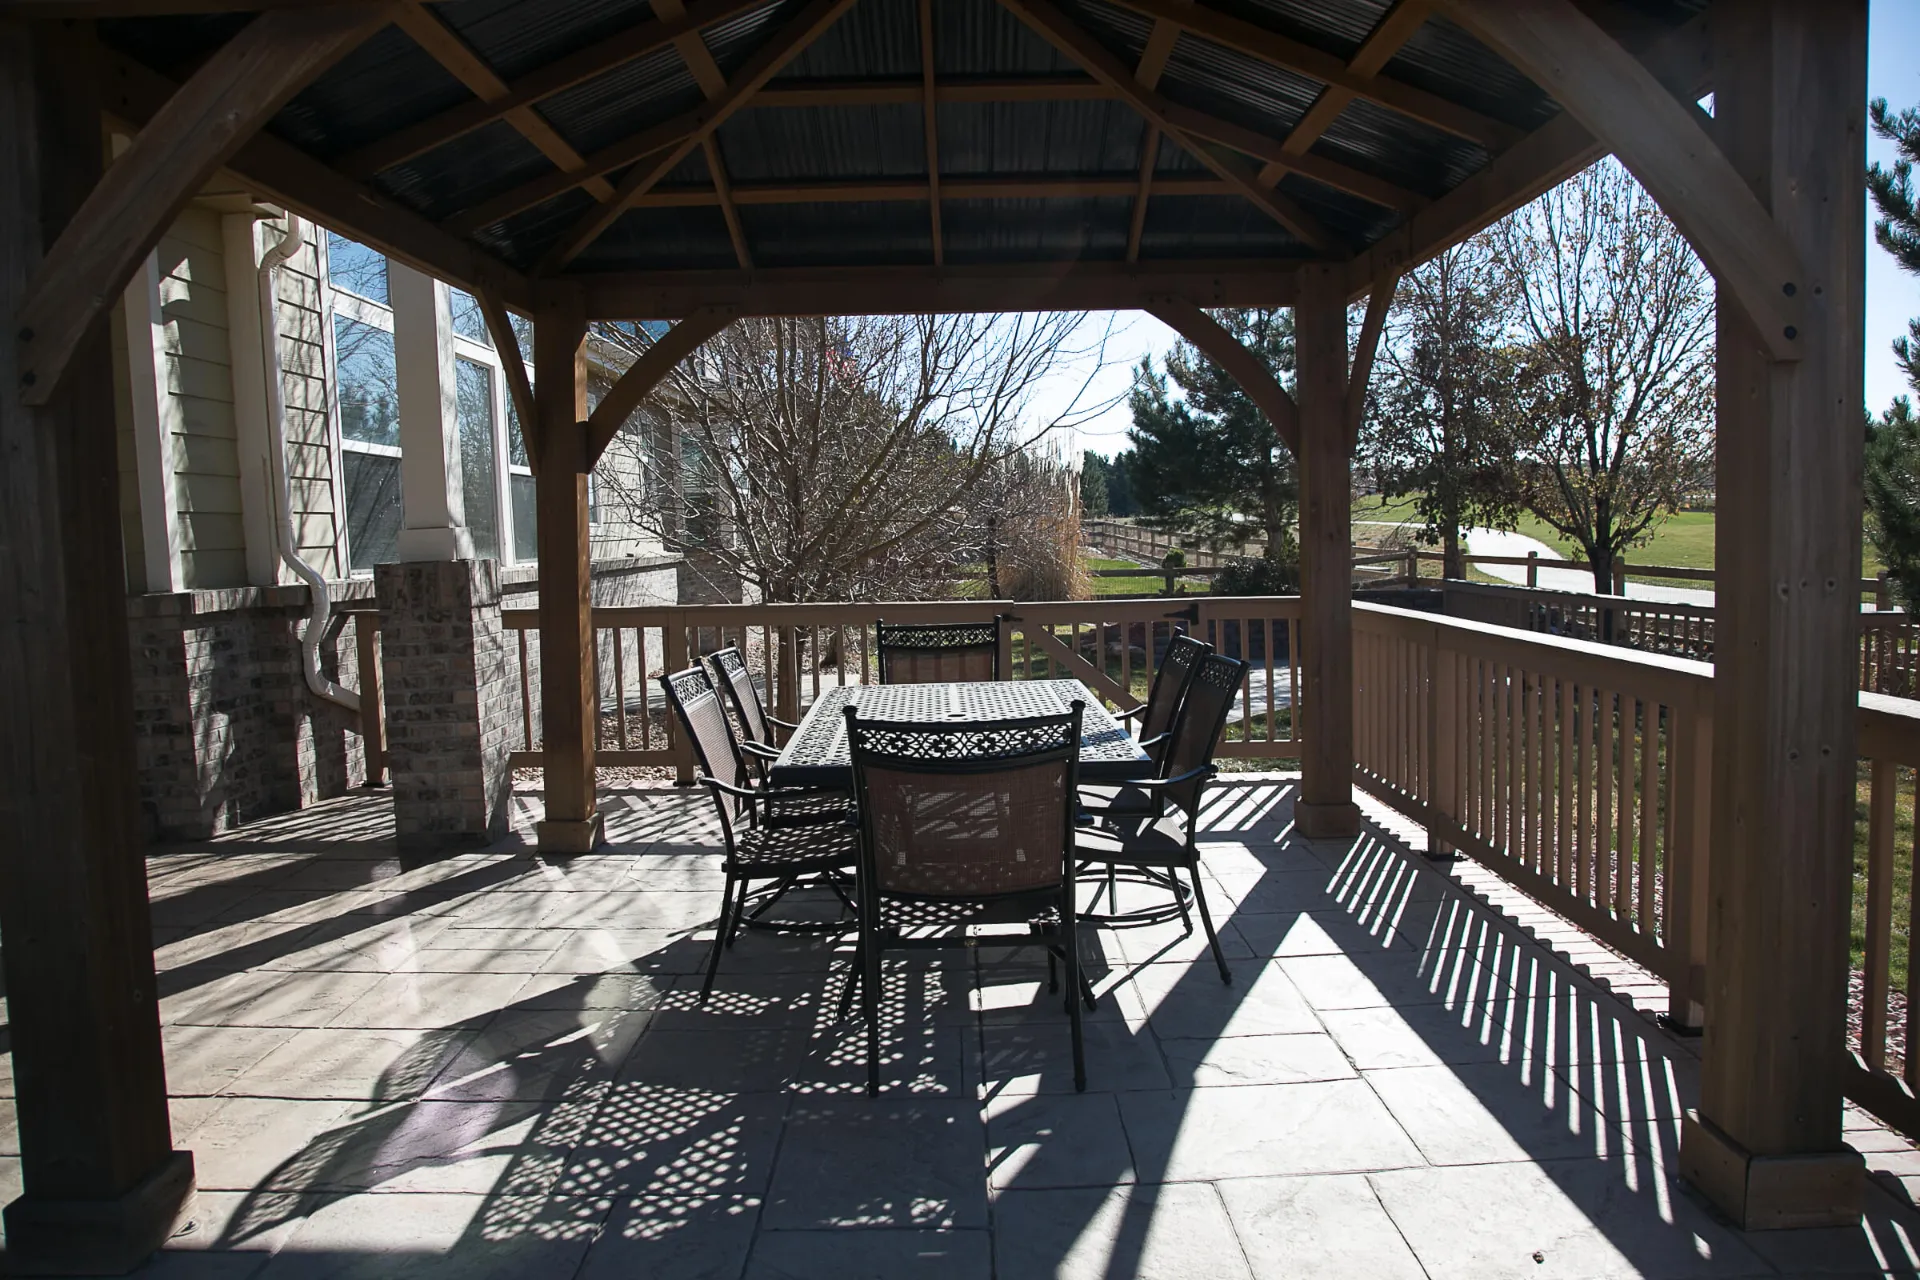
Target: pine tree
x,y
1094,483
1208,462
1892,479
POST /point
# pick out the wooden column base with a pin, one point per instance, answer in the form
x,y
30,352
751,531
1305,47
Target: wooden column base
x,y
1326,821
1771,1193
98,1237
570,837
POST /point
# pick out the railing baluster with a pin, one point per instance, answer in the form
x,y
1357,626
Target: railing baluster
x,y
526,695
1649,858
1563,802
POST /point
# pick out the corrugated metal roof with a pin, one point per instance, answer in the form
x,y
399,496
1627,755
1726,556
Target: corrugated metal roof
x,y
389,83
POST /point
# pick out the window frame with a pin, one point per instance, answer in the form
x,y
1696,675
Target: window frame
x,y
336,301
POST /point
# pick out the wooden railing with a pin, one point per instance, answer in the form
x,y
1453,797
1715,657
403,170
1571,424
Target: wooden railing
x,y
1578,772
1884,1078
1682,630
795,650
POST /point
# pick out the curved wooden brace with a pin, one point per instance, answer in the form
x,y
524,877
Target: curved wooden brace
x,y
1225,350
646,373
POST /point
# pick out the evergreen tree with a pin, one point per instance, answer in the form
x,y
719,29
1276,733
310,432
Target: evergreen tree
x,y
1208,462
1892,478
1095,480
1120,499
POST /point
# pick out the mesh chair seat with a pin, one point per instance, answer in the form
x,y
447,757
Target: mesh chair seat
x,y
898,915
806,811
1118,802
793,850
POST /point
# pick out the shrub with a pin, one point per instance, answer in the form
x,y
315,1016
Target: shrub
x,y
1261,577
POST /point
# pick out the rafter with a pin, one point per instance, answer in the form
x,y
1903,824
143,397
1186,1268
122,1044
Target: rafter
x,y
1662,143
761,66
908,93
555,77
197,129
1291,55
282,173
647,372
914,190
723,196
1047,285
446,47
1153,61
1078,44
1680,60
1394,29
706,73
929,111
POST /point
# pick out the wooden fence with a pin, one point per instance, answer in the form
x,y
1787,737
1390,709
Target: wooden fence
x,y
796,650
1890,753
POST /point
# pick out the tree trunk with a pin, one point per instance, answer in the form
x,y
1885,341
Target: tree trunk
x,y
1452,553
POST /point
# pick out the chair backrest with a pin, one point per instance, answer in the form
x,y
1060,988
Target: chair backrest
x,y
730,671
1170,682
1197,727
923,653
959,810
704,720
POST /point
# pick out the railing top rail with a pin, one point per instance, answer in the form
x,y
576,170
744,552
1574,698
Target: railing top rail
x,y
1577,599
1890,728
1673,680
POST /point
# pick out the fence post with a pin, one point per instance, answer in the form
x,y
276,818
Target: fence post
x,y
1533,568
1413,567
1882,591
673,638
1619,577
373,711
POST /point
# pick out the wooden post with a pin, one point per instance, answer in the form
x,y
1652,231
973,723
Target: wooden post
x,y
1533,568
570,707
103,1185
1325,808
1790,93
373,710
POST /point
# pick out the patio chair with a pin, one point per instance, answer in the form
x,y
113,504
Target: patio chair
x,y
1156,848
926,653
758,847
760,731
1156,716
964,826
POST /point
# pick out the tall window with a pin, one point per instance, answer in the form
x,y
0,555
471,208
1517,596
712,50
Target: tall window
x,y
488,432
368,397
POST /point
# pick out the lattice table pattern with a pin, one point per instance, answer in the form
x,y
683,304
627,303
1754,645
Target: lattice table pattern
x,y
816,755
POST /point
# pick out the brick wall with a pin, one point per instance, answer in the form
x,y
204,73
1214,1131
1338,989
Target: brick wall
x,y
225,728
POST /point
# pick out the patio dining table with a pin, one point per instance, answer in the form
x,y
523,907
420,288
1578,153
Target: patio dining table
x,y
816,754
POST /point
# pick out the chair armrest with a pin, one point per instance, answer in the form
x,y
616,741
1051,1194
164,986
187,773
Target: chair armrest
x,y
788,725
1155,784
1133,714
761,750
744,793
1147,744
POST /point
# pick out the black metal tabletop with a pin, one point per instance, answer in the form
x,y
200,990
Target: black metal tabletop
x,y
816,754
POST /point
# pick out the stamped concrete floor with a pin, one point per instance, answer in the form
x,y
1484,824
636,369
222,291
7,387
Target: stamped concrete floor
x,y
496,1064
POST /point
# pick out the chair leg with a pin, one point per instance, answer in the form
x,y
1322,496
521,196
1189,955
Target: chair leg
x,y
1206,918
1053,972
720,935
854,963
1074,981
870,998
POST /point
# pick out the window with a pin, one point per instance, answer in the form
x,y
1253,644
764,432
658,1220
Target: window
x,y
520,488
367,401
479,470
468,320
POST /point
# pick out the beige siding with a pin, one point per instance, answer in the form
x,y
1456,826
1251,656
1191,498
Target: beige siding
x,y
198,381
303,383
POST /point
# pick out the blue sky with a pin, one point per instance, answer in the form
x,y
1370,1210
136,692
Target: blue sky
x,y
1893,296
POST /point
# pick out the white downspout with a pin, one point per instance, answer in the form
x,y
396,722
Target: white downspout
x,y
322,687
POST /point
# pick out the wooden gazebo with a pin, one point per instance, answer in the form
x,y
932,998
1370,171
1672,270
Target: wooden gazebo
x,y
719,158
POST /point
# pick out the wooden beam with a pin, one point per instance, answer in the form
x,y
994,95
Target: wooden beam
x,y
236,90
1153,62
73,10
470,69
1056,285
519,388
723,195
1766,1144
761,65
1328,173
1394,29
102,1183
543,82
285,175
1218,345
570,705
909,93
929,115
1364,350
646,373
1619,100
1291,55
1325,808
707,74
1538,162
1078,44
910,190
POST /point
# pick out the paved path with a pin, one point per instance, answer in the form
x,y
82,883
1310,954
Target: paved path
x,y
1500,542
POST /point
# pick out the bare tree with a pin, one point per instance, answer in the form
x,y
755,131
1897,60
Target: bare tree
x,y
1444,422
834,458
1617,318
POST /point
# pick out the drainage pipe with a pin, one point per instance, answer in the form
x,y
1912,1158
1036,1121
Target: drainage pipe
x,y
322,605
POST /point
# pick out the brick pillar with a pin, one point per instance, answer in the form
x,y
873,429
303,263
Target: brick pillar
x,y
451,700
